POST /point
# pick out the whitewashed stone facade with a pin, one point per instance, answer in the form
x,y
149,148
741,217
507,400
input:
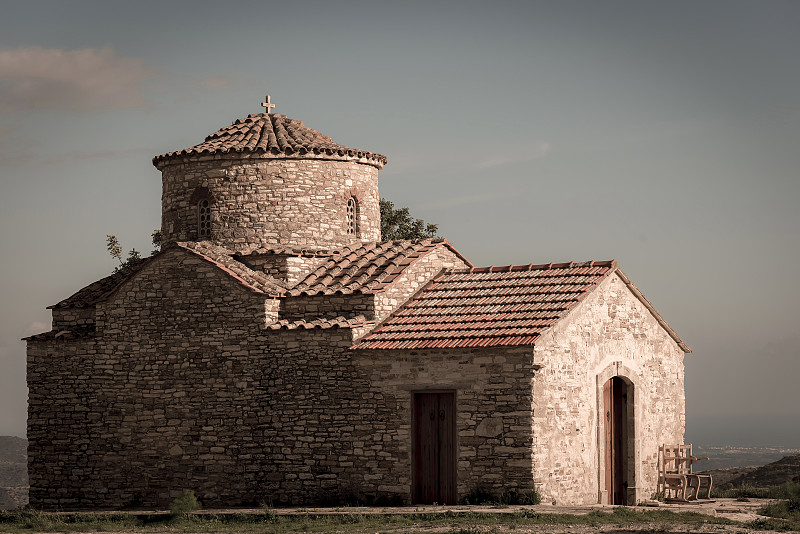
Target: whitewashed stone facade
x,y
611,333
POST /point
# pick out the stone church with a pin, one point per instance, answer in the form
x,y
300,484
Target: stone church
x,y
277,351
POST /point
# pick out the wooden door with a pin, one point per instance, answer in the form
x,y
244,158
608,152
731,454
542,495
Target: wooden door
x,y
615,407
434,448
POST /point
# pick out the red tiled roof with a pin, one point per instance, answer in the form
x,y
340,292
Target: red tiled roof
x,y
321,323
218,256
490,306
274,134
368,268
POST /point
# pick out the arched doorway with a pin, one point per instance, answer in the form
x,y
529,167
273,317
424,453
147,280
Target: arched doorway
x,y
617,421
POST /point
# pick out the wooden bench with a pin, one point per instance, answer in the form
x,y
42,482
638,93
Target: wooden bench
x,y
675,476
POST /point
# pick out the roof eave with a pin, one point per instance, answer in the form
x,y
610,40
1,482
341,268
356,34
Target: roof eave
x,y
638,294
455,251
443,243
584,296
104,296
228,272
657,316
189,156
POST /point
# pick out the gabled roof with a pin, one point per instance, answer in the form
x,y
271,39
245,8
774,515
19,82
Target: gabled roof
x,y
78,331
93,293
223,259
273,134
493,306
368,268
218,256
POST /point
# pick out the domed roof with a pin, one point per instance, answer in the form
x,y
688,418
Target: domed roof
x,y
274,134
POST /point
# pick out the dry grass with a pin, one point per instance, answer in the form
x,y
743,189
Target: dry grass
x,y
271,522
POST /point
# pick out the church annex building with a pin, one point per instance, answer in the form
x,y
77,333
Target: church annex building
x,y
276,351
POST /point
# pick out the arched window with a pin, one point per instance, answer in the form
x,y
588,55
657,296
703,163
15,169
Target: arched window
x,y
204,219
352,216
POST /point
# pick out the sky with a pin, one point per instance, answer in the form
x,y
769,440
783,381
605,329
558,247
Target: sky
x,y
665,135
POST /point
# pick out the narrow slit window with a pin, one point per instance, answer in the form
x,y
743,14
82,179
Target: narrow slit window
x,y
352,216
204,218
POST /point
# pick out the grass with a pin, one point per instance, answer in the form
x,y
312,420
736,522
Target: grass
x,y
745,492
271,522
184,504
789,490
513,496
784,513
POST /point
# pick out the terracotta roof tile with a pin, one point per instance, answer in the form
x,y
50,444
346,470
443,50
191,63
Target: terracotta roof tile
x,y
273,134
287,251
321,323
368,268
489,306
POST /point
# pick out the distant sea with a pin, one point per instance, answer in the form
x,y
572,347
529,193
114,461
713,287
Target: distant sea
x,y
720,456
739,440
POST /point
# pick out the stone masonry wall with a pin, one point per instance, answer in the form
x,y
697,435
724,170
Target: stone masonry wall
x,y
291,269
270,201
65,421
166,397
298,267
183,387
320,433
66,317
493,400
327,306
610,333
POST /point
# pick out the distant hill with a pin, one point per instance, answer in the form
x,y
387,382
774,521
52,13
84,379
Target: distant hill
x,y
13,472
773,474
13,449
733,456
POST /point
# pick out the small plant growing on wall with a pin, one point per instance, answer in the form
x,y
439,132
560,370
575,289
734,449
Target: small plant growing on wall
x,y
184,504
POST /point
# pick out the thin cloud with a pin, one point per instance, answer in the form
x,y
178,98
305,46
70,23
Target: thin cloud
x,y
229,82
520,156
91,78
36,327
81,156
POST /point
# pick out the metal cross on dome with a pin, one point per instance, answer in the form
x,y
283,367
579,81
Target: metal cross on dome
x,y
268,105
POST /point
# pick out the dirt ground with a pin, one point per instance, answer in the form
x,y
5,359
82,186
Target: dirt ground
x,y
740,512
